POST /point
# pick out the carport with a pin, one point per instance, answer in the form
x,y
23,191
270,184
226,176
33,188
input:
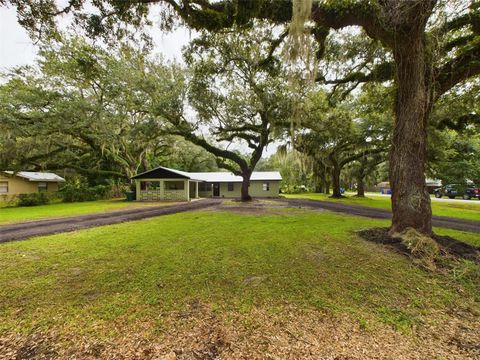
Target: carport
x,y
164,184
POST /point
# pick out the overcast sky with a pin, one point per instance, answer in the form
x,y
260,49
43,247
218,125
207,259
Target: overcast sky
x,y
16,48
15,45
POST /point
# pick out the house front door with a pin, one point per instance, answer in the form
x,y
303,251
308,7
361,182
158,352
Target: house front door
x,y
216,189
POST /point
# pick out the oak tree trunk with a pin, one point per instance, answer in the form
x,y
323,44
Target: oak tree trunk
x,y
245,196
327,187
361,185
361,178
320,183
410,199
336,182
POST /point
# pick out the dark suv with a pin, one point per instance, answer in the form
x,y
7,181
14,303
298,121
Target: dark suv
x,y
455,190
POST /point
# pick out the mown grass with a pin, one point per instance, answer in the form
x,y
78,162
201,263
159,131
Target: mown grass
x,y
19,214
449,208
89,279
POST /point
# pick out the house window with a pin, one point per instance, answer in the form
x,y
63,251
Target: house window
x,y
3,187
149,185
174,185
154,185
266,186
230,186
42,186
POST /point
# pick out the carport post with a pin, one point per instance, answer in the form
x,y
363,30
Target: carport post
x,y
138,189
196,189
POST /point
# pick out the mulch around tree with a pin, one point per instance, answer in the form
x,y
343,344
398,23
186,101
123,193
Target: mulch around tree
x,y
449,246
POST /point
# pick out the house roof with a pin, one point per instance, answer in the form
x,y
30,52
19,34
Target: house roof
x,y
163,172
218,176
230,177
37,176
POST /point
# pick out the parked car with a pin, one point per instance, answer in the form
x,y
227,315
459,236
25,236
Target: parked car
x,y
457,190
472,192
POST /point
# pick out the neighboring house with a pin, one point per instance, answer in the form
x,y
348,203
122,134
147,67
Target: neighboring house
x,y
168,184
25,182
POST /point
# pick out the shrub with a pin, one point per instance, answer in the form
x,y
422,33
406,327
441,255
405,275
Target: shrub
x,y
33,199
76,191
100,192
294,189
118,188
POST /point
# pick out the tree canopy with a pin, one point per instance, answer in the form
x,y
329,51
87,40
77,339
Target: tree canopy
x,y
89,110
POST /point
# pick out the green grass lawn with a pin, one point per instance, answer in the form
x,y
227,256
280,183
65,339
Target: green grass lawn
x,y
88,282
451,208
19,214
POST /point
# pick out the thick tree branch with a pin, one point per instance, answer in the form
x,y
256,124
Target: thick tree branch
x,y
380,73
357,156
457,70
185,131
338,15
460,123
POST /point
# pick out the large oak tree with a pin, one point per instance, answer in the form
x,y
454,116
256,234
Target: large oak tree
x,y
83,108
237,97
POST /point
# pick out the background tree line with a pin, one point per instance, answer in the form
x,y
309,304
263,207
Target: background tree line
x,y
107,115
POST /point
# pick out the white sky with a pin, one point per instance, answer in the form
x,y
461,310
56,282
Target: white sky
x,y
16,47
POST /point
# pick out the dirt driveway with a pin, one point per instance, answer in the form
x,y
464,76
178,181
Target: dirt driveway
x,y
29,229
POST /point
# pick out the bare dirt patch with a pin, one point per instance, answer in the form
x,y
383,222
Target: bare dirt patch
x,y
258,207
199,332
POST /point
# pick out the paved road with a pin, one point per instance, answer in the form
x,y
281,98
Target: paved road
x,y
438,221
456,200
46,227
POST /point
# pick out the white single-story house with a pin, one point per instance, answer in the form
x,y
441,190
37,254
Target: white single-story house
x,y
26,182
163,183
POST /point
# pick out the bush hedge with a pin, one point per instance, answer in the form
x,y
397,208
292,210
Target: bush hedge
x,y
77,191
33,199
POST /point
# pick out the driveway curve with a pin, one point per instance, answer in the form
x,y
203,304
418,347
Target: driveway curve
x,y
358,210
